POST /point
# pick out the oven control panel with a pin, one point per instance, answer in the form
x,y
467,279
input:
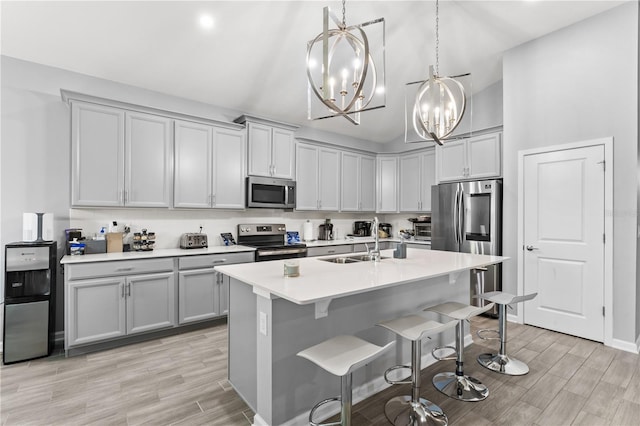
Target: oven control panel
x,y
262,229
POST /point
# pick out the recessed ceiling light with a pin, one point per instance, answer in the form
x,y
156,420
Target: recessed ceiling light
x,y
206,22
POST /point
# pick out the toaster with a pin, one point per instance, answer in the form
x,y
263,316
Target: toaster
x,y
193,240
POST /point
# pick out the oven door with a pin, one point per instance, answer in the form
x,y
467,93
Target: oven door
x,y
422,231
270,193
277,253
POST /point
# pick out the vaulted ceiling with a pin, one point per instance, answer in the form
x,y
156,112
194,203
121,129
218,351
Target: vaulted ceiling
x,y
253,57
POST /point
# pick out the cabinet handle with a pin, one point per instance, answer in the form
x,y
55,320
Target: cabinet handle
x,y
124,269
126,196
331,251
122,291
213,200
274,170
219,261
129,289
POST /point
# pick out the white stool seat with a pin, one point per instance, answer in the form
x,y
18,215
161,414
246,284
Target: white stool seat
x,y
341,355
502,298
459,311
415,327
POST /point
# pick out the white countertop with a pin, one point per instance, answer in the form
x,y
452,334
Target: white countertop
x,y
358,240
320,280
153,254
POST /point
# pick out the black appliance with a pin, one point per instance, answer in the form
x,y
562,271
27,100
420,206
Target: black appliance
x,y
269,241
422,228
385,229
326,230
29,300
272,193
362,229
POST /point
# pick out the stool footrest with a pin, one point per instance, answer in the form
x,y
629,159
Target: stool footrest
x,y
445,357
320,404
397,382
485,334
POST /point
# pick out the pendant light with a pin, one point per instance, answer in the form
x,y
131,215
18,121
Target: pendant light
x,y
440,102
345,69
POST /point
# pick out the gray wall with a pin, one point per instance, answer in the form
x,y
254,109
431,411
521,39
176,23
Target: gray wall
x,y
576,84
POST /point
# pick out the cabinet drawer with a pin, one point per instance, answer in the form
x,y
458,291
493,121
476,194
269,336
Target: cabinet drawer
x,y
128,267
211,260
324,251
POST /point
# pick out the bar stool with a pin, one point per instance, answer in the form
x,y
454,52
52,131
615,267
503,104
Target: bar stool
x,y
501,362
413,410
340,356
457,385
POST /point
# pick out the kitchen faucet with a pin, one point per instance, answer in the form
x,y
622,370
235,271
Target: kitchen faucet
x,y
374,254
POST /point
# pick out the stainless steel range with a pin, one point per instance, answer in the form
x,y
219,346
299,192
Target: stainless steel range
x,y
269,240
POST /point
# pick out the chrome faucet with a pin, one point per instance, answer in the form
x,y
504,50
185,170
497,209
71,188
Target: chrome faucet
x,y
374,254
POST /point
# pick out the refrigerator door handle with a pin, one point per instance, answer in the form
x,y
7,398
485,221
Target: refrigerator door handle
x,y
460,218
455,213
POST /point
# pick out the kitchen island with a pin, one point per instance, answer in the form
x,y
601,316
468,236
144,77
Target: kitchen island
x,y
272,317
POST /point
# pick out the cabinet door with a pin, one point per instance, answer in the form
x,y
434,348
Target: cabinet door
x,y
282,154
192,159
228,169
223,294
198,295
452,161
387,185
150,302
329,180
428,178
95,310
485,156
97,155
148,150
259,149
350,182
307,177
410,188
367,184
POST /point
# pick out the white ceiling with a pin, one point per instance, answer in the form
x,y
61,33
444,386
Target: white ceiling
x,y
253,60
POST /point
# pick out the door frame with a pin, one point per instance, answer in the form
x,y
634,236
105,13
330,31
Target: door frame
x,y
607,143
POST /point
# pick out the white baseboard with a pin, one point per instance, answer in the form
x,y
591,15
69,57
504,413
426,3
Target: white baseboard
x,y
259,421
623,345
359,393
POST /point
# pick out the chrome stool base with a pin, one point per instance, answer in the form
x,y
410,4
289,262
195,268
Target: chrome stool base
x,y
463,388
503,364
401,411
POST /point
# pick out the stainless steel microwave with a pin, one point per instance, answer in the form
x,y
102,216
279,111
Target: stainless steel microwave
x,y
271,193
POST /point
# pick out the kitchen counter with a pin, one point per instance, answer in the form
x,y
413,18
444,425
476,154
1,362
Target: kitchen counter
x,y
358,240
153,254
272,318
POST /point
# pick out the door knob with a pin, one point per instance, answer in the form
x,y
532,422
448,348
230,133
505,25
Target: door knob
x,y
532,248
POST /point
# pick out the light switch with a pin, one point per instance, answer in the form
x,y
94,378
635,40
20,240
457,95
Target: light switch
x,y
263,323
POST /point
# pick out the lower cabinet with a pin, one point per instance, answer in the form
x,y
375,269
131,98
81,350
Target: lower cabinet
x,y
203,293
104,308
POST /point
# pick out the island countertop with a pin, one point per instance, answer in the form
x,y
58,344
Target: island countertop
x,y
320,280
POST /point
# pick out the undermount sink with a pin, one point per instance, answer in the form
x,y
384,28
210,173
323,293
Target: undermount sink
x,y
351,259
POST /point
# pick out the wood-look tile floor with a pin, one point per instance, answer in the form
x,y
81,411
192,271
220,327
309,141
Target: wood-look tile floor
x,y
181,380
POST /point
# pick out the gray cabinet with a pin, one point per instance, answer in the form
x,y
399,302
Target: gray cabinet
x,y
417,175
387,184
271,151
203,293
209,166
318,178
329,250
358,182
105,308
119,157
478,157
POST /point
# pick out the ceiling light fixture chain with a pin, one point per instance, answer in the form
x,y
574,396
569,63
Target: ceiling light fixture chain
x,y
437,38
344,15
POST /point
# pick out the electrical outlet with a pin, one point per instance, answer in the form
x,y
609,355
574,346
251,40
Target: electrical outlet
x,y
263,323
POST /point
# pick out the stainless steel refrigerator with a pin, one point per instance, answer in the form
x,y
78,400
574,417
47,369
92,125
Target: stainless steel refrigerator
x,y
467,217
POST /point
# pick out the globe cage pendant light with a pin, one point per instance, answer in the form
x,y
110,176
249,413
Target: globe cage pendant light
x,y
440,102
345,70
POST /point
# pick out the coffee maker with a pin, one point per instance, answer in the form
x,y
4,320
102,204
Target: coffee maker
x,y
326,230
362,229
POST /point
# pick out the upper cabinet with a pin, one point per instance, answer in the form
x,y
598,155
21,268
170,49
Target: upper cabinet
x,y
317,178
209,166
417,175
271,148
477,157
358,177
119,157
387,184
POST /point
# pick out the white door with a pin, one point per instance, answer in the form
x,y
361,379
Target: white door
x,y
428,178
564,241
282,153
367,184
350,179
329,179
307,178
150,302
410,183
192,165
228,169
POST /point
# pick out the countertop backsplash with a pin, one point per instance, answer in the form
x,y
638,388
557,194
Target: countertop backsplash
x,y
170,224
